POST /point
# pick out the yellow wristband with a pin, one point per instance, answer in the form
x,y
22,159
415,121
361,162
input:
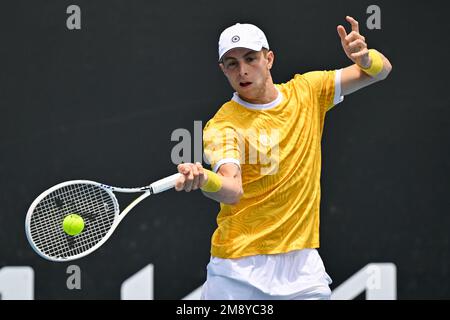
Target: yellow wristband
x,y
377,63
213,184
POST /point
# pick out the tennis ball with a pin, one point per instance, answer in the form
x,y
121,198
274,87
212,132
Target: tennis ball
x,y
73,224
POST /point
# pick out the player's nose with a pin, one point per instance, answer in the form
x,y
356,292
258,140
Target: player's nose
x,y
243,70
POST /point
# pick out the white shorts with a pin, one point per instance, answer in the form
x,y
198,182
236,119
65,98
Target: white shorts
x,y
296,275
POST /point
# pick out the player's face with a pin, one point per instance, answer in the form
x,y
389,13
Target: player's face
x,y
248,72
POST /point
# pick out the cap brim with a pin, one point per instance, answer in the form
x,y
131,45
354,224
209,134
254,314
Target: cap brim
x,y
245,46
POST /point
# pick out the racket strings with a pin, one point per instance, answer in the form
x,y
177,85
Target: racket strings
x,y
61,241
95,205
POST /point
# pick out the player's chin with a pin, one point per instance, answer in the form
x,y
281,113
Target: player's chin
x,y
246,93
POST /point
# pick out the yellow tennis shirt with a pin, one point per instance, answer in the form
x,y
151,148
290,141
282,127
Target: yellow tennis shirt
x,y
278,147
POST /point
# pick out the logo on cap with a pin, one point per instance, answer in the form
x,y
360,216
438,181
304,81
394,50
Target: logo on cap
x,y
235,39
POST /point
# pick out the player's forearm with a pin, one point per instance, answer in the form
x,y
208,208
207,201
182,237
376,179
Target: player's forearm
x,y
230,191
354,77
225,186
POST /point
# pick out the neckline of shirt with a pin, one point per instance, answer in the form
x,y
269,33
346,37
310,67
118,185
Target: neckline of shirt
x,y
254,106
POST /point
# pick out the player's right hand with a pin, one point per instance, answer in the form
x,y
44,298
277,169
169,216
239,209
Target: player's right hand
x,y
193,177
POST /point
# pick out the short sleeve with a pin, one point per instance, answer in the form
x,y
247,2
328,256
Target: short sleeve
x,y
221,144
327,86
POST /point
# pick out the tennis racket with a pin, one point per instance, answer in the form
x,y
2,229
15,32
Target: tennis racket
x,y
94,202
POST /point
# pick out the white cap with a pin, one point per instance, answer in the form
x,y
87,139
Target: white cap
x,y
242,36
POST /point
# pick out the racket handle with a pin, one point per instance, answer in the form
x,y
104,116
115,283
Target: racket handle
x,y
165,184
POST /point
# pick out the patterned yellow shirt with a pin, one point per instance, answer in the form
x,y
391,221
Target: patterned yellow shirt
x,y
278,147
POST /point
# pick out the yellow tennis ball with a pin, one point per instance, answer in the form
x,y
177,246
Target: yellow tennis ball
x,y
73,224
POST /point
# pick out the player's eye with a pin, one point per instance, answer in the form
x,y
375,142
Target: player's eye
x,y
231,65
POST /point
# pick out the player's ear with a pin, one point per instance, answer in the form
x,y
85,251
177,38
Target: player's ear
x,y
270,59
222,67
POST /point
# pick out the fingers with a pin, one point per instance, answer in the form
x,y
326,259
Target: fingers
x,y
354,43
342,33
189,180
354,23
201,175
192,177
360,53
357,45
195,178
179,184
184,168
352,36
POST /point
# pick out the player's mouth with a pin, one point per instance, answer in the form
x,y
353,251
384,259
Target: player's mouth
x,y
244,84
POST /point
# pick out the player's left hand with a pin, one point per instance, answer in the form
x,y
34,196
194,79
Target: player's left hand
x,y
354,44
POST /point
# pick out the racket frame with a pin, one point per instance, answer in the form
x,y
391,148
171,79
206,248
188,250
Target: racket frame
x,y
156,187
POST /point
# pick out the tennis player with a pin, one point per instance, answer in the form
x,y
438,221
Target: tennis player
x,y
264,147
